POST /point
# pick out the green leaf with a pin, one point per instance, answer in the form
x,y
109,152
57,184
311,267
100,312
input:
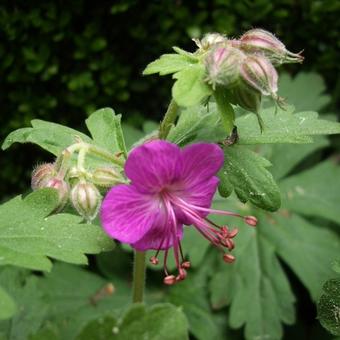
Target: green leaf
x,y
29,237
283,127
314,192
160,321
70,292
7,305
169,63
190,296
106,131
329,306
305,91
197,123
189,88
301,238
258,276
28,297
287,156
256,286
49,136
252,182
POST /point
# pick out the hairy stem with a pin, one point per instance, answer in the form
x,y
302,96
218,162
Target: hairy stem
x,y
168,120
138,277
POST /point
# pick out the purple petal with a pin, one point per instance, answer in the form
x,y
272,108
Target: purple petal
x,y
200,195
201,161
158,237
154,165
127,215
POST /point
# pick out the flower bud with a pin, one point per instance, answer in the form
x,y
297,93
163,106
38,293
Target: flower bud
x,y
106,177
62,188
42,174
223,65
247,98
210,40
259,40
250,100
86,199
258,72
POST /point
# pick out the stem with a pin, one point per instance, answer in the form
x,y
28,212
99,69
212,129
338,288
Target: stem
x,y
168,120
138,277
225,109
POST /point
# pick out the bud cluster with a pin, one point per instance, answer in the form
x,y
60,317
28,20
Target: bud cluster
x,y
75,183
246,67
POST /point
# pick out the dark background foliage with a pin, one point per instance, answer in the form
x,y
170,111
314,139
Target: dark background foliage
x,y
60,62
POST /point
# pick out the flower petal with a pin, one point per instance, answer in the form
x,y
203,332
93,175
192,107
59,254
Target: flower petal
x,y
200,195
154,165
127,215
158,237
201,161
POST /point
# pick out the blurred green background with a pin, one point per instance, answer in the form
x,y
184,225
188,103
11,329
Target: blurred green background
x,y
60,63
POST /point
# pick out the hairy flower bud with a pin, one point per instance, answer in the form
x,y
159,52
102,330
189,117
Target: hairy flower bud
x,y
86,199
223,65
210,40
42,174
258,72
62,188
249,99
259,40
106,176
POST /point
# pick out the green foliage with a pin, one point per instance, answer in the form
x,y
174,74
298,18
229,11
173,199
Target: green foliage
x,y
27,239
67,304
106,131
7,305
190,88
284,126
245,172
310,97
258,276
104,126
170,63
329,306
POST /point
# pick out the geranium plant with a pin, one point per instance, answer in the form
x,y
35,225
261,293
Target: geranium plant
x,y
225,126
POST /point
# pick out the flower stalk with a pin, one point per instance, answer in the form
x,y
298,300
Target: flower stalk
x,y
138,277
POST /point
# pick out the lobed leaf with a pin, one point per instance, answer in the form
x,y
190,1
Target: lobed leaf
x,y
7,305
29,236
106,131
170,63
52,137
246,172
306,91
314,192
189,88
329,306
285,126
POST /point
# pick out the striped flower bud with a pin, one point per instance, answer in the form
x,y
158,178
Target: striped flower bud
x,y
106,177
42,174
63,190
223,66
86,199
259,40
258,73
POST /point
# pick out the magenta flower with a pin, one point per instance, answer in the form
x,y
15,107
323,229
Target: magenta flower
x,y
170,187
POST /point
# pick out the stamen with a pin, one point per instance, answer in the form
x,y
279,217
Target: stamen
x,y
228,258
186,265
169,280
154,260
